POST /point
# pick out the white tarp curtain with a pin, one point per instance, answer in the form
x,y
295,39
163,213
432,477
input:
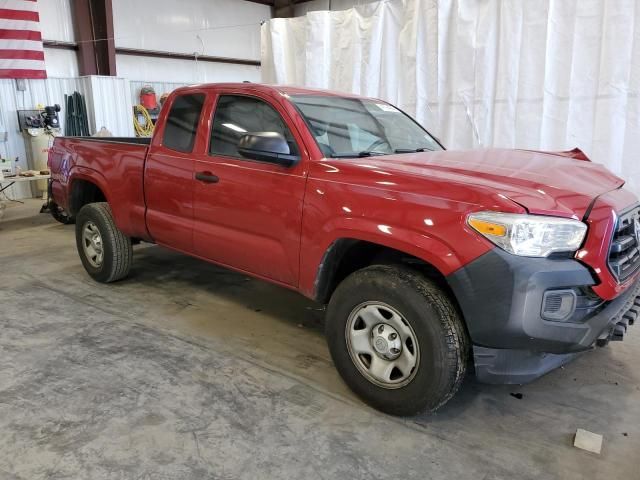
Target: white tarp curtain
x,y
538,74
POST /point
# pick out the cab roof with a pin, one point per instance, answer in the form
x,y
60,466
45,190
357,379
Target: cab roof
x,y
265,88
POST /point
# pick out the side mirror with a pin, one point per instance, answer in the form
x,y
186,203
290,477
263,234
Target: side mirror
x,y
267,147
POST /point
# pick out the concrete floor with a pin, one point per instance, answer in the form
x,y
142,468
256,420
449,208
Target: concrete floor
x,y
188,371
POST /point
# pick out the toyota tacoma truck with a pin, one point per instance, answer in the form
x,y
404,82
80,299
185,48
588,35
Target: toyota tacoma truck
x,y
431,262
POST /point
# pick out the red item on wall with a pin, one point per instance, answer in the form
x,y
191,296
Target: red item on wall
x,y
148,97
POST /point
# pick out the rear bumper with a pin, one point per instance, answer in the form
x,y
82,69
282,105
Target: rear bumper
x,y
503,300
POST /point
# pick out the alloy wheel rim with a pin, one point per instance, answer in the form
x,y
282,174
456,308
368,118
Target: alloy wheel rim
x,y
382,345
92,244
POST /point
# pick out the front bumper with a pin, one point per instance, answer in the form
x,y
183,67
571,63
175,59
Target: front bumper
x,y
502,297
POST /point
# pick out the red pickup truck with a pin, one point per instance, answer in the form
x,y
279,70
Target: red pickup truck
x,y
509,262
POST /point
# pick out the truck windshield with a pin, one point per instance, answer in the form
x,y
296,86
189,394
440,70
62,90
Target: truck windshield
x,y
355,127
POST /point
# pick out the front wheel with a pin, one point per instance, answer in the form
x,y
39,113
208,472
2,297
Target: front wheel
x,y
106,253
396,339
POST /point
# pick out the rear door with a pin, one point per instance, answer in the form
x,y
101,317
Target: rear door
x,y
168,181
250,217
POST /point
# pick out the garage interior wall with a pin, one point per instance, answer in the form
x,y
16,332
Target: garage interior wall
x,y
222,28
219,28
56,23
478,74
315,5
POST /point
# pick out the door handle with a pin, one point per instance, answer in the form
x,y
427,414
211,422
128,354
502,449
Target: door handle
x,y
207,177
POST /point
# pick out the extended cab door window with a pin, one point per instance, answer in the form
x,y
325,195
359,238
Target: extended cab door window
x,y
168,173
237,115
182,122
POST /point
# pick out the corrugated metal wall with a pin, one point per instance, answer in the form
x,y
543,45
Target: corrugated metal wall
x,y
135,67
56,23
224,28
208,27
56,20
46,92
159,87
110,101
109,104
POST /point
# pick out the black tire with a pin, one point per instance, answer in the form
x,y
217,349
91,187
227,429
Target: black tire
x,y
60,215
438,328
117,251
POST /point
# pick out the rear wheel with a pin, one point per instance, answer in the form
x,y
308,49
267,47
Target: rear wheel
x,y
396,339
106,253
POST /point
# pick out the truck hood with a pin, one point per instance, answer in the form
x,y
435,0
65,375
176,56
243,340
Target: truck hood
x,y
551,183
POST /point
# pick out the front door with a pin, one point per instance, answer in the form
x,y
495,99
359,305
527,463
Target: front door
x,y
248,213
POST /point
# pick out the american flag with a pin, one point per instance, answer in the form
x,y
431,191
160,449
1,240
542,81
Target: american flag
x,y
21,52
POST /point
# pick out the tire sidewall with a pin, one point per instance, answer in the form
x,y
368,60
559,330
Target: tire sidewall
x,y
432,380
91,213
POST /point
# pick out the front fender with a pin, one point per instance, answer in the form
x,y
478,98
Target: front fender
x,y
420,244
427,247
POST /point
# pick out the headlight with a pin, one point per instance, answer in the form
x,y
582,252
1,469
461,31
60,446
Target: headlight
x,y
529,235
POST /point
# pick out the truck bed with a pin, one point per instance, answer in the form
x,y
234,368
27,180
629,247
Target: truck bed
x,y
114,164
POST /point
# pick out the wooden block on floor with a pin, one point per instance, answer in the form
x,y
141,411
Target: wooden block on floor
x,y
585,440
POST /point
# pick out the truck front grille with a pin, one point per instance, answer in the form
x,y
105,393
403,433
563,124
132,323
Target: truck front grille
x,y
624,255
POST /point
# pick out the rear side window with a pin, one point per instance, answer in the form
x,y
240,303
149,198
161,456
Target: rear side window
x,y
182,122
236,116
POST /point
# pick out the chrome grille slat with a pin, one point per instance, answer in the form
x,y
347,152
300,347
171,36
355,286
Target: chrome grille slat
x,y
624,254
623,242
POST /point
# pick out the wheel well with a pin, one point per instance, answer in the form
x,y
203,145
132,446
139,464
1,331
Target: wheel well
x,y
84,192
345,256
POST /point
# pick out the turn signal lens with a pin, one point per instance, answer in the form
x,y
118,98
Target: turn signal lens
x,y
488,228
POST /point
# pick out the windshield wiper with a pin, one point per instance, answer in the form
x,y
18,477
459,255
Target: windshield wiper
x,y
364,153
413,150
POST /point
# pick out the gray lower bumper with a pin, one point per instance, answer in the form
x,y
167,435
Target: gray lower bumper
x,y
501,297
509,366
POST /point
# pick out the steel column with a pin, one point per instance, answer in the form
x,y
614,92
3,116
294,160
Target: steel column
x,y
94,31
